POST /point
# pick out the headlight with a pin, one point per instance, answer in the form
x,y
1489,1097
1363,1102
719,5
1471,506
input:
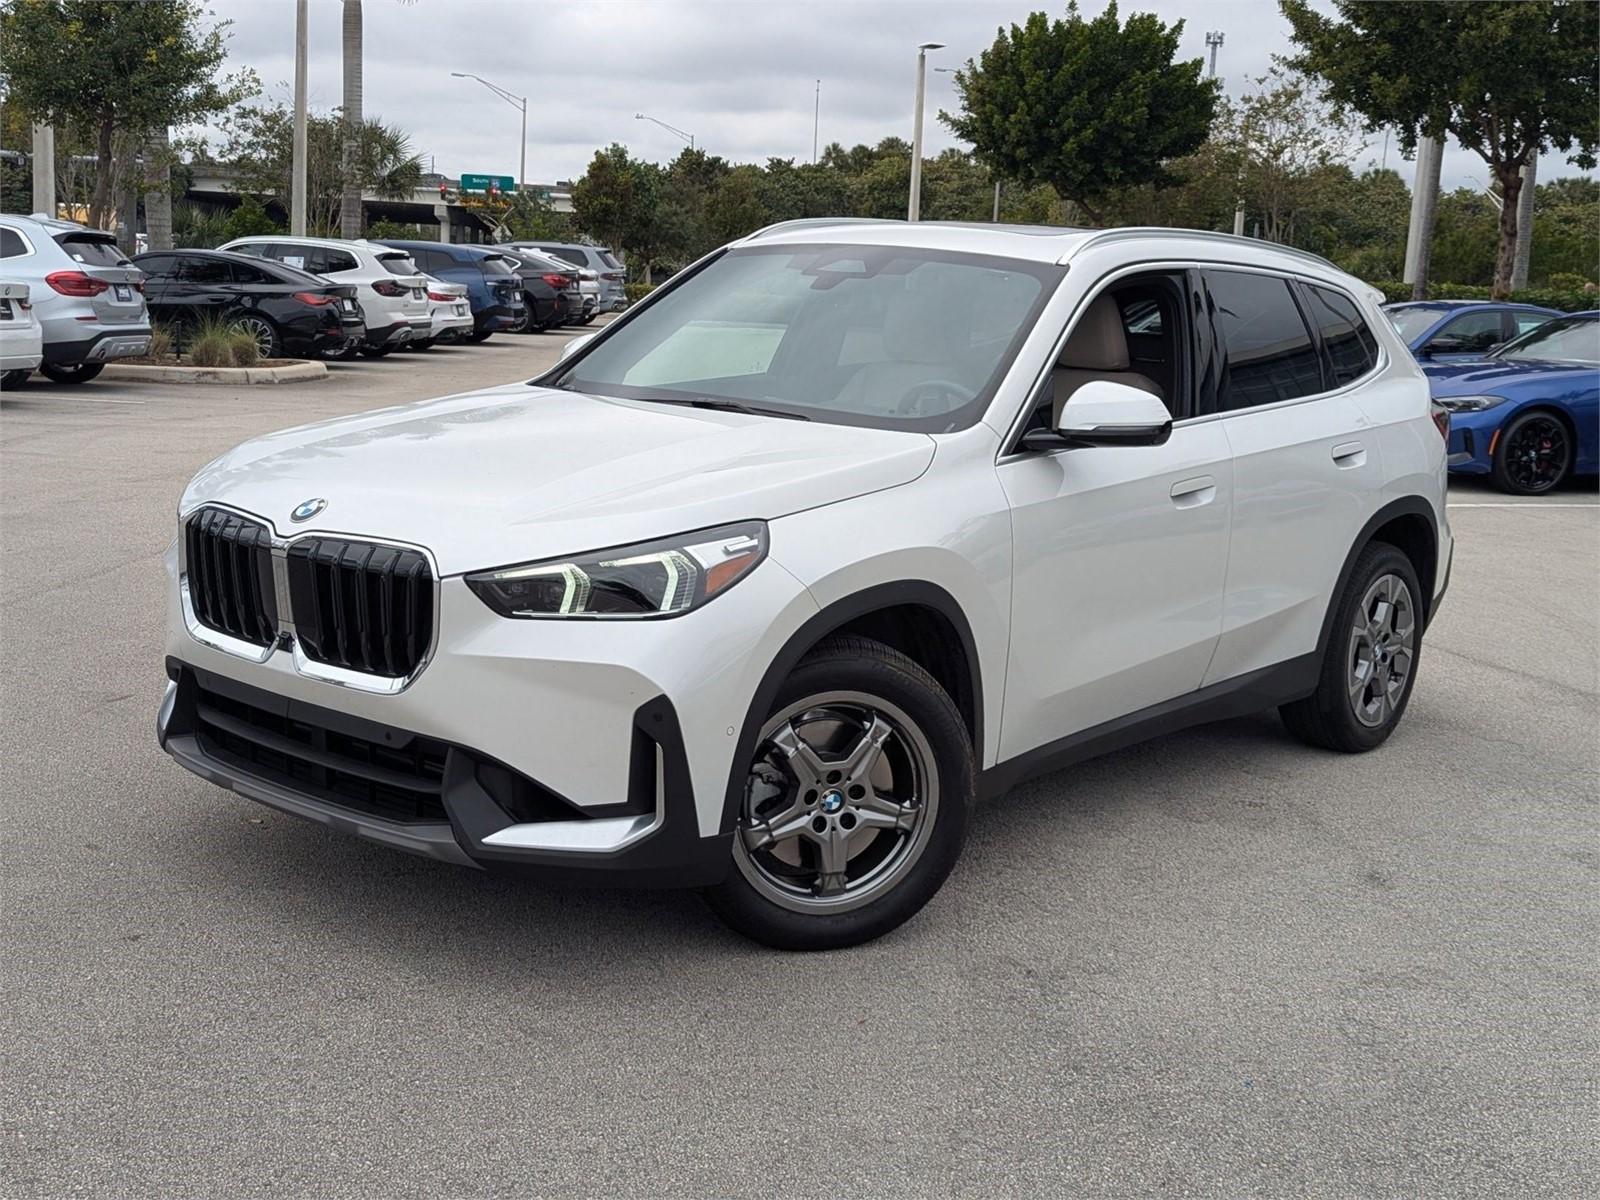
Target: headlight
x,y
652,579
1469,403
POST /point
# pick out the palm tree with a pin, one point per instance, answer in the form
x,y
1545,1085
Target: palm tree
x,y
350,203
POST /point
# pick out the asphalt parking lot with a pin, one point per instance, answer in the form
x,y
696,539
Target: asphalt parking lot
x,y
1219,964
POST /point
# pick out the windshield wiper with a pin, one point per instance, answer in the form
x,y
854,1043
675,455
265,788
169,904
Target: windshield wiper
x,y
718,404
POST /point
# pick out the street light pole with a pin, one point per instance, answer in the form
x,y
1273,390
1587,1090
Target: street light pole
x,y
519,102
297,184
816,116
688,137
914,204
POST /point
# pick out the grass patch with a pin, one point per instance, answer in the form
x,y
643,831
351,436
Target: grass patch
x,y
216,344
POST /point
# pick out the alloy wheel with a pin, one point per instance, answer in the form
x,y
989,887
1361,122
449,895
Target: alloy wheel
x,y
261,331
839,804
1383,647
1536,454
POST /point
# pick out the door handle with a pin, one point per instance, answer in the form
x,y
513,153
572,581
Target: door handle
x,y
1190,493
1349,454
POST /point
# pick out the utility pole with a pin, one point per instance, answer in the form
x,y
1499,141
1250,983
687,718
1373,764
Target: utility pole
x,y
297,187
996,202
1424,198
816,116
1519,264
1214,40
44,169
914,205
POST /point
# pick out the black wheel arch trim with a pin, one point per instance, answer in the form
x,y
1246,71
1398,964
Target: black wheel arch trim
x,y
836,615
1405,506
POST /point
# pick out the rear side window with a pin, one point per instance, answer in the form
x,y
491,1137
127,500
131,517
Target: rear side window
x,y
12,245
1351,349
207,271
157,266
90,250
1474,332
497,264
609,260
1268,352
1525,321
245,273
342,260
575,257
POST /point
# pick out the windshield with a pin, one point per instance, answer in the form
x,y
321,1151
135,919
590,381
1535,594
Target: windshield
x,y
1564,339
893,337
398,264
1411,322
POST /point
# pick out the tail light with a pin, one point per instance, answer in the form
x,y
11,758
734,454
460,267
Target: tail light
x,y
138,286
76,283
388,287
313,299
1441,419
557,281
614,275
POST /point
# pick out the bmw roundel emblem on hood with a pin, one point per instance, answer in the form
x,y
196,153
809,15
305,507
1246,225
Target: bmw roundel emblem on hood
x,y
307,509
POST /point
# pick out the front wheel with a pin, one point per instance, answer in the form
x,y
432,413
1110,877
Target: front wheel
x,y
1534,455
1370,664
855,803
74,373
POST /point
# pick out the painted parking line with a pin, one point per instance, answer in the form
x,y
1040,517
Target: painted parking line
x,y
1523,504
88,399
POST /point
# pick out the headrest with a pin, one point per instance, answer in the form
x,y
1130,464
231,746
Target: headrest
x,y
1097,342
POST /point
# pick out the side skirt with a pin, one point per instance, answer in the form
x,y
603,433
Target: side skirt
x,y
1236,697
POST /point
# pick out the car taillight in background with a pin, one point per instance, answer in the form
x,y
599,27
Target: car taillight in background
x,y
615,276
388,287
76,283
1441,419
313,299
442,297
557,281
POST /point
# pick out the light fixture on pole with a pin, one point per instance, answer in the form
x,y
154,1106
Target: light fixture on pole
x,y
914,204
688,137
520,102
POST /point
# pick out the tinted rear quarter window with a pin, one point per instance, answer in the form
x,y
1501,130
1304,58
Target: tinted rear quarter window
x,y
1269,354
342,260
205,271
396,262
575,257
11,244
157,266
1471,332
1352,350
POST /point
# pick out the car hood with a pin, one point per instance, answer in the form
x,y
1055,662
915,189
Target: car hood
x,y
1493,375
520,473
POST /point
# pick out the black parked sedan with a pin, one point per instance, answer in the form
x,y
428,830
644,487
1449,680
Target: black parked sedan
x,y
551,288
289,311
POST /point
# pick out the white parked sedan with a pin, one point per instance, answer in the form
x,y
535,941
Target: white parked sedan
x,y
21,338
764,584
450,312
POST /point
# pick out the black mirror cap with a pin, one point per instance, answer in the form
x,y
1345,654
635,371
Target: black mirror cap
x,y
1070,439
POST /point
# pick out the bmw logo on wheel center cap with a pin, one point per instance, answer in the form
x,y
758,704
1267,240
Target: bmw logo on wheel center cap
x,y
307,509
832,802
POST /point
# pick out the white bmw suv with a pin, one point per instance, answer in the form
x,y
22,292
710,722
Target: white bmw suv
x,y
850,524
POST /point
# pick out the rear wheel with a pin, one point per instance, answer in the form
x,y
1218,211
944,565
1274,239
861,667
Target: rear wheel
x,y
420,344
377,351
1534,454
855,804
479,335
263,331
525,321
73,373
1371,661
587,317
15,378
344,354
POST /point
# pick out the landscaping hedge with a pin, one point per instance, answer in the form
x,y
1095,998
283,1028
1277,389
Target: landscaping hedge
x,y
1558,298
637,291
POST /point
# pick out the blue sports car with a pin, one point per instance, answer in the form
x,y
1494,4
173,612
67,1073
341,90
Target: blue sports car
x,y
1527,415
1445,330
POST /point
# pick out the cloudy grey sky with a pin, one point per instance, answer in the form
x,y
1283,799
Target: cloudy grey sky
x,y
738,74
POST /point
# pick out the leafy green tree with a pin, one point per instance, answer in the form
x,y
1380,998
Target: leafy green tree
x,y
615,198
736,208
529,217
249,219
121,71
1506,78
259,144
1086,106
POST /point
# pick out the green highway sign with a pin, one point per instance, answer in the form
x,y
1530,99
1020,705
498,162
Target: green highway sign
x,y
504,184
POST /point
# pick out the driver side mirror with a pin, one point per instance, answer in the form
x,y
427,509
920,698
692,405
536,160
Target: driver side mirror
x,y
1103,413
574,345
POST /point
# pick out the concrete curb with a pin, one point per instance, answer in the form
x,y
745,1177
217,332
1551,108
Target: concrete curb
x,y
299,372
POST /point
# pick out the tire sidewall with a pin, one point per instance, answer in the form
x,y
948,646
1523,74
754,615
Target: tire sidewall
x,y
1502,478
890,677
1380,558
71,372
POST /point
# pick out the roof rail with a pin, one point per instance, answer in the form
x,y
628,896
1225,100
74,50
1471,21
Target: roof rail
x,y
804,222
1152,231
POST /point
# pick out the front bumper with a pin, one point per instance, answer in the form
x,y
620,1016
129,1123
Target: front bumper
x,y
631,727
1473,437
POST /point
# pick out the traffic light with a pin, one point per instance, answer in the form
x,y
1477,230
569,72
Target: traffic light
x,y
444,192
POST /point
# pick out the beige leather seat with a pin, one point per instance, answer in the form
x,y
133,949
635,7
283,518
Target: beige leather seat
x,y
922,343
1097,349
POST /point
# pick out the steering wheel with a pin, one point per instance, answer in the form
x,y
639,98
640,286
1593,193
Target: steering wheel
x,y
911,404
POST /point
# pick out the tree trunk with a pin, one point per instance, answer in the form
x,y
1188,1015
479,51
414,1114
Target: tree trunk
x,y
1505,259
158,191
350,204
100,204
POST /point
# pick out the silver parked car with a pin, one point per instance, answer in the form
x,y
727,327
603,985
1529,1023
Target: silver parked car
x,y
88,297
612,276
